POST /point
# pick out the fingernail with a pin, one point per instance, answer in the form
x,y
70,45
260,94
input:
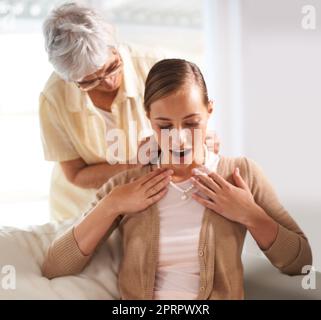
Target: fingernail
x,y
237,170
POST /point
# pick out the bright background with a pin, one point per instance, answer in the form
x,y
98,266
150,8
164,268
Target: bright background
x,y
263,71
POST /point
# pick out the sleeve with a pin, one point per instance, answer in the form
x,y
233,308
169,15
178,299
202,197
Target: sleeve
x,y
56,143
64,256
290,251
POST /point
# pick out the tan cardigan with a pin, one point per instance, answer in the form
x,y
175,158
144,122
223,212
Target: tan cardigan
x,y
220,243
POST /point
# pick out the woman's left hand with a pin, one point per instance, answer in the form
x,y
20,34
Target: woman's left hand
x,y
235,203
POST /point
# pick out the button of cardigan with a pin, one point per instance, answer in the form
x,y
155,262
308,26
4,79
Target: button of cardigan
x,y
201,253
202,288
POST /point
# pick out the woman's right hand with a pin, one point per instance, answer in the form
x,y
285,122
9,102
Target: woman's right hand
x,y
138,195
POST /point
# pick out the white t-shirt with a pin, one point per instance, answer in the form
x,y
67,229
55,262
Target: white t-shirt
x,y
177,275
109,119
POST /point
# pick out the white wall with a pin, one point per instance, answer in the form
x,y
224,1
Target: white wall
x,y
275,73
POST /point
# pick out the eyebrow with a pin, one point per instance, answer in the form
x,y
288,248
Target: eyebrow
x,y
188,116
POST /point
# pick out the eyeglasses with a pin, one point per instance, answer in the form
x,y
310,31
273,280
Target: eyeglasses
x,y
113,69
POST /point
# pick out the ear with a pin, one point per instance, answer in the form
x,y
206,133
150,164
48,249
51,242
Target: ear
x,y
210,106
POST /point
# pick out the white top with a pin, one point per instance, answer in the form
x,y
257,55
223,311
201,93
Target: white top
x,y
111,123
109,118
177,275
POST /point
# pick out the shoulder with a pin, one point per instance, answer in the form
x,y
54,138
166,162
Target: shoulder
x,y
53,83
61,95
242,162
250,170
228,164
134,173
124,177
53,90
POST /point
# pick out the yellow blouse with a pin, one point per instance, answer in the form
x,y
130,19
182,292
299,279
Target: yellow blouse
x,y
71,126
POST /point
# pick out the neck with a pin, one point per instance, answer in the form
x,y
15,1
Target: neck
x,y
181,172
102,100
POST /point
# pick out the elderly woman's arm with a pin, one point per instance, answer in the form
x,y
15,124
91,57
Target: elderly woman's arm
x,y
84,175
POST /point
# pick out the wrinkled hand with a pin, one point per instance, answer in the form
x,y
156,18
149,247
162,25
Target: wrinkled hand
x,y
136,196
235,203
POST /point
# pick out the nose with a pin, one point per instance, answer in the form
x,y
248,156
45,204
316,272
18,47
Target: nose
x,y
180,138
110,81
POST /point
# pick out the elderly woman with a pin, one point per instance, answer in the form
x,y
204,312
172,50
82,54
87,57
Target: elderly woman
x,y
183,224
97,86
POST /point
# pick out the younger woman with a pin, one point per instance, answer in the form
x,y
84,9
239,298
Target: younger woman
x,y
183,224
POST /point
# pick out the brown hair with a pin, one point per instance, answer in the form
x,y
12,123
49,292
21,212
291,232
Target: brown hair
x,y
170,75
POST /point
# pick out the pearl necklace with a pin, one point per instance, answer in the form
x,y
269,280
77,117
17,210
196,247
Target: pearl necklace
x,y
185,191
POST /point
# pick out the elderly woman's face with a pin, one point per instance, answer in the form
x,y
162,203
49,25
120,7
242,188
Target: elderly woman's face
x,y
179,122
106,79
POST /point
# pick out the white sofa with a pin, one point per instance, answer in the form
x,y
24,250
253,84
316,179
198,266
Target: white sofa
x,y
24,249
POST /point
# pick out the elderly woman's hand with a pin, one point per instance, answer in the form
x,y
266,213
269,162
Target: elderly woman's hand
x,y
235,203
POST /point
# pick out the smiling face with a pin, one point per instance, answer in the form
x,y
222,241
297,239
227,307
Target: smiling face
x,y
179,121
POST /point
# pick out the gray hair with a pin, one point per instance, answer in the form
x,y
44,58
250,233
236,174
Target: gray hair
x,y
77,40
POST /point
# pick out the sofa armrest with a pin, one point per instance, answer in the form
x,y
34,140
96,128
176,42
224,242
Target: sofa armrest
x,y
263,281
24,250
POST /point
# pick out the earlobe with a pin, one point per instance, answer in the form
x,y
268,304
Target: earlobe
x,y
210,106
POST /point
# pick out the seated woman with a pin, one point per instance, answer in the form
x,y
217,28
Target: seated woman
x,y
183,224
